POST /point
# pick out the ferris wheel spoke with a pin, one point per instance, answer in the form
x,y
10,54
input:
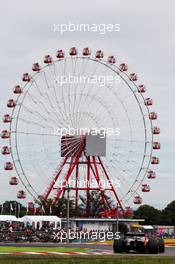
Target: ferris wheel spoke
x,y
53,108
51,112
35,144
40,173
121,102
97,93
66,87
38,103
31,151
80,98
53,96
127,171
46,158
34,150
91,117
125,184
83,116
101,106
63,113
92,96
45,82
33,133
100,102
60,86
34,123
119,176
76,87
94,116
43,93
128,152
34,164
66,146
38,114
74,148
134,182
73,65
135,192
37,159
124,162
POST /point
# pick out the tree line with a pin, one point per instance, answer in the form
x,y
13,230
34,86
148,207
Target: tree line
x,y
155,216
152,215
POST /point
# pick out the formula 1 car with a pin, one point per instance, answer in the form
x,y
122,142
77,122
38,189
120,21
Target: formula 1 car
x,y
140,241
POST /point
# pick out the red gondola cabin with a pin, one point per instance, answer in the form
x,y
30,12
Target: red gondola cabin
x,y
21,195
17,89
73,51
111,60
26,77
133,77
11,103
48,59
137,200
154,160
145,188
5,134
123,67
99,54
5,150
8,166
141,88
86,51
152,116
36,67
7,119
151,174
60,54
13,181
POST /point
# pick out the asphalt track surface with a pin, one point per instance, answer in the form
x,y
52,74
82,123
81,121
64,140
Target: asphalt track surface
x,y
169,251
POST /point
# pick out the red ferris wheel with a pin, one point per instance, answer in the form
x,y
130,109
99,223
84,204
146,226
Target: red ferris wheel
x,y
113,147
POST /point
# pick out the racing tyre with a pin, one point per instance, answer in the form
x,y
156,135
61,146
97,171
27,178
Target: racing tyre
x,y
161,245
118,246
153,246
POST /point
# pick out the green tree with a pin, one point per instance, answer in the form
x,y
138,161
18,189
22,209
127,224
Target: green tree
x,y
168,214
13,208
149,213
58,209
94,205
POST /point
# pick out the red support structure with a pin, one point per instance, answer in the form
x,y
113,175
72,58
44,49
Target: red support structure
x,y
94,167
116,196
67,176
76,189
105,201
48,191
88,186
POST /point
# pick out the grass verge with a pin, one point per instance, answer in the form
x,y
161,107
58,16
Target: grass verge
x,y
85,259
41,249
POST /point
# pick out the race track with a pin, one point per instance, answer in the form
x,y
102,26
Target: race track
x,y
169,251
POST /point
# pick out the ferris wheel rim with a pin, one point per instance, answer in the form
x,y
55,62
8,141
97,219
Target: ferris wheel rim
x,y
118,73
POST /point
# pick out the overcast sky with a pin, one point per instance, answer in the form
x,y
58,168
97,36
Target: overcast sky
x,y
146,41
